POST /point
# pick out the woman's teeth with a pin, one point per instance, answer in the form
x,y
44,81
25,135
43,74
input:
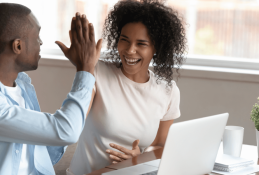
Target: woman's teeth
x,y
131,62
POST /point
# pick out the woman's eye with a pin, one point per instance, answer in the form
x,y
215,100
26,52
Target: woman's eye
x,y
142,44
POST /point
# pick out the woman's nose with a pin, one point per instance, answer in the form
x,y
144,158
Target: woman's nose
x,y
131,49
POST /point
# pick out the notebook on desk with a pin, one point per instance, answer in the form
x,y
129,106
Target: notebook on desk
x,y
191,148
230,163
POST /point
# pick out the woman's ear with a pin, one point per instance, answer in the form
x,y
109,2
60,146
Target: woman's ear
x,y
17,46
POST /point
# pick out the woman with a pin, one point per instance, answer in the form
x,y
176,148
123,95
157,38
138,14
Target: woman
x,y
133,107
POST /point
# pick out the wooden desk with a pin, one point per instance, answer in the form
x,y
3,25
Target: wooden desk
x,y
248,152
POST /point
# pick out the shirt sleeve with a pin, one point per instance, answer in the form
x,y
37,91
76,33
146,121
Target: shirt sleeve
x,y
56,153
173,111
62,128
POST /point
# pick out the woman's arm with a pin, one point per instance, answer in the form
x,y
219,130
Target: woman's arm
x,y
161,136
159,142
91,102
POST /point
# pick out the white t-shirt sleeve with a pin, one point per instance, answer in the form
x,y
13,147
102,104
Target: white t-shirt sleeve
x,y
173,111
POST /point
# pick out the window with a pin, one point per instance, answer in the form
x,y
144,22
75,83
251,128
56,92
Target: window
x,y
216,28
221,27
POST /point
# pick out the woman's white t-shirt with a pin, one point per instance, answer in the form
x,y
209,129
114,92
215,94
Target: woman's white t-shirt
x,y
122,112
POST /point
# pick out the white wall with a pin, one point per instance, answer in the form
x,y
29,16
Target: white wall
x,y
203,92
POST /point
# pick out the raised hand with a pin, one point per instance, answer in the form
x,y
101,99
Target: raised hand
x,y
83,52
128,154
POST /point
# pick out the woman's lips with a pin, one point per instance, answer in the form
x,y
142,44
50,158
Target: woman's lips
x,y
131,61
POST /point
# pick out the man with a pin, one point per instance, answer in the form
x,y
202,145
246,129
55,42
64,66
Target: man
x,y
31,142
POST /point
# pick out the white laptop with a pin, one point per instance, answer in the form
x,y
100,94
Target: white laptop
x,y
191,148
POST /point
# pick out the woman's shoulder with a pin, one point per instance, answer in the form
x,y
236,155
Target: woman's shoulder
x,y
161,83
106,64
104,68
162,87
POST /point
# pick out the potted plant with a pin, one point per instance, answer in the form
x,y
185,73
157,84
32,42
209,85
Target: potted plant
x,y
255,118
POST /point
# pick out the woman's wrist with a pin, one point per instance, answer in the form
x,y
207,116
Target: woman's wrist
x,y
152,148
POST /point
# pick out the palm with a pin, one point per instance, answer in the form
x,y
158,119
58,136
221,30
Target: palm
x,y
126,154
83,51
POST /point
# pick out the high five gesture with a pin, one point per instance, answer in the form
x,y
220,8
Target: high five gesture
x,y
83,52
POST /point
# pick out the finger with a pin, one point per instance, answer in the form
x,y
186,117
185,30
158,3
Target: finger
x,y
85,25
99,46
117,159
114,162
70,36
117,154
73,30
120,148
91,33
79,27
135,144
62,47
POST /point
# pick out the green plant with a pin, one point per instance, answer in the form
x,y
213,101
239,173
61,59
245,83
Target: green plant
x,y
255,115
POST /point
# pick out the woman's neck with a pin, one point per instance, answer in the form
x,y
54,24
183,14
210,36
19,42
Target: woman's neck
x,y
139,77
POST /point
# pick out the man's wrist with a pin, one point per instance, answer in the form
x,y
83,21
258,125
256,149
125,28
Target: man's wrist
x,y
86,70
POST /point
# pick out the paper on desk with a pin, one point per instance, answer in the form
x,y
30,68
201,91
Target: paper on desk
x,y
244,171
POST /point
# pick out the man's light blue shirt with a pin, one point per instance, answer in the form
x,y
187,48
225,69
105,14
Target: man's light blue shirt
x,y
45,134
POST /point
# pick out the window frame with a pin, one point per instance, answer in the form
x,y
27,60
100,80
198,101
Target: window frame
x,y
191,60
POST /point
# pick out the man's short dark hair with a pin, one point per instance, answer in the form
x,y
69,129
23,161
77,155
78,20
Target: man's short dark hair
x,y
13,23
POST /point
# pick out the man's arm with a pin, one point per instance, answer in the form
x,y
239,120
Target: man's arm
x,y
56,152
62,128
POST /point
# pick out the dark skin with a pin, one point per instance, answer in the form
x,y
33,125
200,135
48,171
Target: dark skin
x,y
135,45
20,56
83,52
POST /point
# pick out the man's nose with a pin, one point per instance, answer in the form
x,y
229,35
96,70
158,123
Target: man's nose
x,y
41,42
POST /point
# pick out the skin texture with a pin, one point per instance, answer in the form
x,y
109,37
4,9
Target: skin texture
x,y
136,45
14,23
83,52
21,55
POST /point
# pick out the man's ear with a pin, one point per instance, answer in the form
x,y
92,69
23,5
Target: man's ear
x,y
17,46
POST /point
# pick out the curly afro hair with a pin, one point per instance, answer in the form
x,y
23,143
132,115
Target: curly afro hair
x,y
165,29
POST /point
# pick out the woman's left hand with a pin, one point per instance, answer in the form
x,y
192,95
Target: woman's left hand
x,y
119,157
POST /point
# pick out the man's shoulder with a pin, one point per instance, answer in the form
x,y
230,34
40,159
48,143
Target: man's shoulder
x,y
24,77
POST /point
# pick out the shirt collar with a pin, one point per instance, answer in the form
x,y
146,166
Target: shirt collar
x,y
22,77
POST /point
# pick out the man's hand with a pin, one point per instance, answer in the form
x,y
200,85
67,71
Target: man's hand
x,y
128,154
83,52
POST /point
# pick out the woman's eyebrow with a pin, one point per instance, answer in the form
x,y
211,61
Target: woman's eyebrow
x,y
143,41
125,36
140,40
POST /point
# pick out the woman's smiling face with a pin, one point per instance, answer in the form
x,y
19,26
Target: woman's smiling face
x,y
135,48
